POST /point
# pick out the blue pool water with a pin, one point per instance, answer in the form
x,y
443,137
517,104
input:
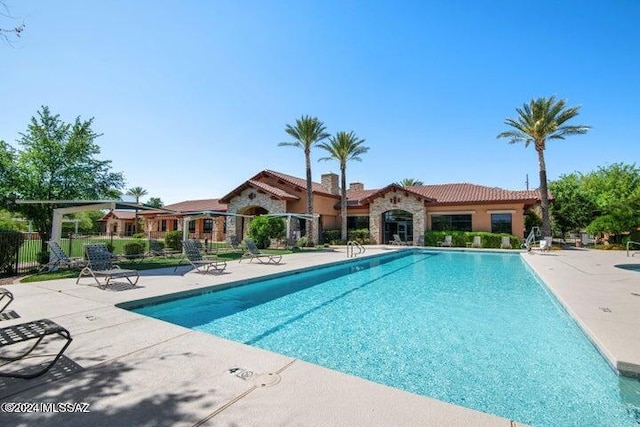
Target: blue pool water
x,y
474,329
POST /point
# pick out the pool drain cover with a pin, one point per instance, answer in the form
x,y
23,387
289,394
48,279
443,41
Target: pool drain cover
x,y
266,380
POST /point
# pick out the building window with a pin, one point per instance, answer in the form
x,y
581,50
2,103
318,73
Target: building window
x,y
175,224
357,222
192,226
163,225
207,226
451,223
501,223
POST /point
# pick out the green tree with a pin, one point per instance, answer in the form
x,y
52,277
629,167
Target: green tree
x,y
57,161
137,192
615,190
343,147
541,120
155,202
264,228
307,132
409,182
573,208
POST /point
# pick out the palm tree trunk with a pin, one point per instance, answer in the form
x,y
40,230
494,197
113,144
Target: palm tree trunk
x,y
544,195
343,201
310,235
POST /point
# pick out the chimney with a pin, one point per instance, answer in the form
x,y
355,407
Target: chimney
x,y
356,186
330,183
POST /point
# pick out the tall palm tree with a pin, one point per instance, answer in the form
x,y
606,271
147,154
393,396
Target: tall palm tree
x,y
307,132
344,146
538,121
137,192
409,182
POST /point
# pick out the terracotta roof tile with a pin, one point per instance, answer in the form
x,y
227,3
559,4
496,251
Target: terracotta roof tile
x,y
198,205
278,192
298,182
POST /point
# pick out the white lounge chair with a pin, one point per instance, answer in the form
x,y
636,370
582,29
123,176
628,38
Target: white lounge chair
x,y
506,243
447,241
477,242
397,241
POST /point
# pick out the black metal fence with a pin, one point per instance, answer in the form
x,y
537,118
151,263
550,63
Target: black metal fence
x,y
22,253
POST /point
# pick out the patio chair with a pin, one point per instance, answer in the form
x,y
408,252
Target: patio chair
x,y
477,242
421,240
447,241
60,259
505,243
397,241
101,265
156,249
5,294
254,253
201,263
26,332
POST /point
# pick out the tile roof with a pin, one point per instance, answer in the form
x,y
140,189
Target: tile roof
x,y
275,191
198,205
298,182
453,194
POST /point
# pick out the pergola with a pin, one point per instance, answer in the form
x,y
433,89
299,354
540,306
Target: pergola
x,y
75,206
192,216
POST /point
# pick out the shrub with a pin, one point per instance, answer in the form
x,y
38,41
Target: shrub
x,y
43,257
132,249
138,235
360,235
173,240
263,228
332,237
10,242
460,239
302,242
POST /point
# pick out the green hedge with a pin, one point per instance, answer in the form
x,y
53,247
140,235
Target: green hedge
x,y
173,240
460,239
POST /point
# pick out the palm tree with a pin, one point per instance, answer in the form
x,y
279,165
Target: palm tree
x,y
542,119
307,132
136,192
409,182
344,146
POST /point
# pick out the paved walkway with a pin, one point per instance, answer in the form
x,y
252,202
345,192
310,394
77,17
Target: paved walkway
x,y
134,370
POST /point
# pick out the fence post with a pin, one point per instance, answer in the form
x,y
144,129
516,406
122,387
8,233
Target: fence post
x,y
70,245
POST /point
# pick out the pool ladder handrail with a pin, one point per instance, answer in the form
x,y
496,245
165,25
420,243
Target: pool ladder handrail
x,y
352,245
629,244
531,238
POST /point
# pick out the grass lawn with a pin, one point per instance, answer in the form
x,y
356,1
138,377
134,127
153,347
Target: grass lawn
x,y
143,264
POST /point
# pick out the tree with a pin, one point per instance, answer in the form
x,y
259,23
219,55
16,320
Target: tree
x,y
136,192
57,162
264,228
409,182
155,202
541,120
307,132
9,34
573,208
343,147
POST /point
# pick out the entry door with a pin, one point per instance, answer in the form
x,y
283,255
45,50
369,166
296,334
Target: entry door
x,y
402,231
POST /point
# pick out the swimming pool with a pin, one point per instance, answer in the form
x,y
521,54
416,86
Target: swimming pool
x,y
474,329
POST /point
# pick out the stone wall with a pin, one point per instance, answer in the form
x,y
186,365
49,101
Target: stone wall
x,y
247,199
396,201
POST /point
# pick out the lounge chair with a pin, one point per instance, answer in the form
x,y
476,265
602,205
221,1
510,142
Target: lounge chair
x,y
397,241
25,332
505,243
421,240
156,249
477,242
101,265
201,263
5,294
447,241
254,253
60,259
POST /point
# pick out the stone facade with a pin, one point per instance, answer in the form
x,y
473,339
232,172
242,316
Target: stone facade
x,y
250,198
396,200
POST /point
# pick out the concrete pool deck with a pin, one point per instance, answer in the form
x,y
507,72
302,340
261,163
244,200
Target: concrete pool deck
x,y
135,370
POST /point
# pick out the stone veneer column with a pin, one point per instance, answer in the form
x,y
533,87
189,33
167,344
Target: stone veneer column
x,y
406,203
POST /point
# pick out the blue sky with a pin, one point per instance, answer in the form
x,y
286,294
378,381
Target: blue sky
x,y
193,97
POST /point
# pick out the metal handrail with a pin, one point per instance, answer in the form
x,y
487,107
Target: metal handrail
x,y
629,244
352,245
